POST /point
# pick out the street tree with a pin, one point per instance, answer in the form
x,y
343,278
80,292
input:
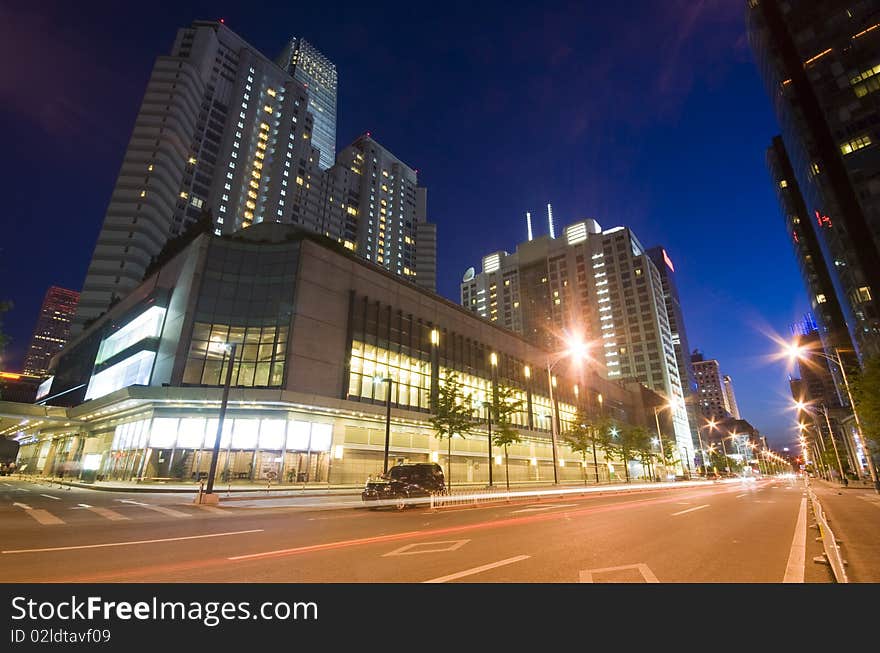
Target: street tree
x,y
453,415
505,404
585,435
866,395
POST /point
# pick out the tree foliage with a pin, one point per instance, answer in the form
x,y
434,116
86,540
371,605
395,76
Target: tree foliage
x,y
505,404
866,395
452,415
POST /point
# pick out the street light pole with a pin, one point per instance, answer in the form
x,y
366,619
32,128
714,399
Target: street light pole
x,y
389,381
489,410
724,449
797,352
834,443
215,453
660,438
553,425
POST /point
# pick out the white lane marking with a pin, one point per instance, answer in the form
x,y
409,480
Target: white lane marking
x,y
739,496
165,511
477,570
406,550
43,516
681,512
97,546
136,503
49,496
547,507
794,570
112,515
586,575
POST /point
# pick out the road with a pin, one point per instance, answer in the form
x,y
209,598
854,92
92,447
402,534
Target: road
x,y
736,532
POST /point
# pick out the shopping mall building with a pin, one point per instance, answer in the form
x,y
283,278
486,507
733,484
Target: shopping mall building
x,y
137,394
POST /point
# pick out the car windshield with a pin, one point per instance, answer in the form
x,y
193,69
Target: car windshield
x,y
404,473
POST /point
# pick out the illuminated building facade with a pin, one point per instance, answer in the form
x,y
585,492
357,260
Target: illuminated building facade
x,y
599,284
52,330
821,66
713,397
314,325
225,133
317,74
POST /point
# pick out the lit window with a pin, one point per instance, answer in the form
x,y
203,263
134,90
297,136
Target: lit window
x,y
821,299
855,144
864,294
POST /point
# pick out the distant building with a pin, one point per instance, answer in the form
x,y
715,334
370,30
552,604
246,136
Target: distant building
x,y
730,397
52,330
713,400
317,73
599,285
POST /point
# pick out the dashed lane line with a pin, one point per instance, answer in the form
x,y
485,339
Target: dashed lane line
x,y
109,544
794,570
681,512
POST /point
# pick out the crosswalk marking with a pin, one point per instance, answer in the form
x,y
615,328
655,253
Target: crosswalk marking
x,y
166,511
112,515
43,516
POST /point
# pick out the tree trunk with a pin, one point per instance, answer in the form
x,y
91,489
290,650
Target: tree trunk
x,y
584,463
625,466
449,464
506,468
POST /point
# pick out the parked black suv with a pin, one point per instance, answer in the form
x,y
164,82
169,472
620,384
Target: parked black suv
x,y
403,482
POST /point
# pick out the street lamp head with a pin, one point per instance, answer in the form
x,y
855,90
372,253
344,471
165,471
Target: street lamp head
x,y
493,358
577,348
528,372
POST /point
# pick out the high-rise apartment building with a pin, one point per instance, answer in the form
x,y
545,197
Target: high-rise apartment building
x,y
712,389
318,74
52,329
666,269
224,131
374,201
598,284
821,64
730,397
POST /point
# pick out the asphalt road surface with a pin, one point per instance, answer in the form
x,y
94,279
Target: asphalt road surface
x,y
731,532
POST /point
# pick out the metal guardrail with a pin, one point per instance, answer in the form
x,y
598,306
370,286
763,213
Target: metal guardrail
x,y
829,541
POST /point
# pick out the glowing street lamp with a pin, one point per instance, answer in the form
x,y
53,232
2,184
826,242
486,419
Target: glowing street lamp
x,y
797,352
801,406
577,349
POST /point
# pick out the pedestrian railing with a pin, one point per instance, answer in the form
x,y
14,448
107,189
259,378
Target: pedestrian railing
x,y
829,541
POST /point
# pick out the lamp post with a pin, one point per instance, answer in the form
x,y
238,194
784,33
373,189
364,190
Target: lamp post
x,y
209,496
803,406
799,353
389,381
724,449
657,410
493,359
575,348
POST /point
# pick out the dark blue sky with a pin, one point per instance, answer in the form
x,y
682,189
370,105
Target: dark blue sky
x,y
648,114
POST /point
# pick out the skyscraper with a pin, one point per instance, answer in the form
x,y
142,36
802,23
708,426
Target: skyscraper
x,y
666,269
52,329
318,74
225,133
714,400
730,397
598,284
820,64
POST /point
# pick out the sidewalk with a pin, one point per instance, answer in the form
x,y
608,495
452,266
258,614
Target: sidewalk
x,y
853,513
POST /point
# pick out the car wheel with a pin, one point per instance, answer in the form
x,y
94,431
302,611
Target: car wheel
x,y
400,503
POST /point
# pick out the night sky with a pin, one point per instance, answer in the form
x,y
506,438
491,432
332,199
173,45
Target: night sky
x,y
649,114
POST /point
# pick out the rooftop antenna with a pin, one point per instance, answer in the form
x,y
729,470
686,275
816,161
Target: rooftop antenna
x,y
529,223
550,220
